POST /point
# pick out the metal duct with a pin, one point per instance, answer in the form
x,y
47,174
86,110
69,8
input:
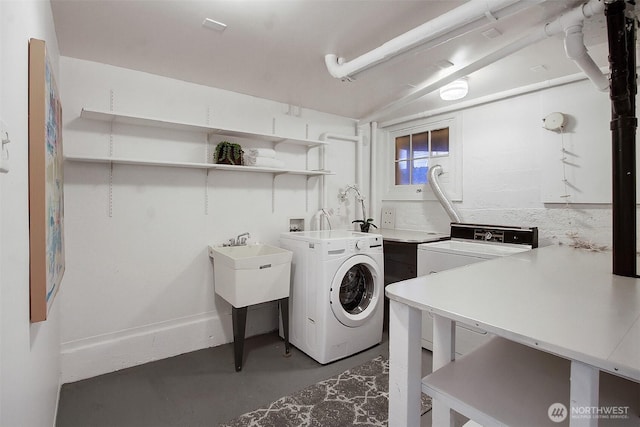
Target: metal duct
x,y
434,172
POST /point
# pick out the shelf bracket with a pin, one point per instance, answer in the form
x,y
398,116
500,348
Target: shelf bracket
x,y
306,193
206,192
273,193
207,153
110,191
110,196
274,175
282,141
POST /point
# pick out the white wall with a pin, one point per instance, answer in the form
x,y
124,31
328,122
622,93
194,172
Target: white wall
x,y
507,161
29,353
139,283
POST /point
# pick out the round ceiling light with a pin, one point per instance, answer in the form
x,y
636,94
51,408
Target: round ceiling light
x,y
457,89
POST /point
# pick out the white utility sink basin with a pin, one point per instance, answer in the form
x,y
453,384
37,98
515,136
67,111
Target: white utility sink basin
x,y
251,274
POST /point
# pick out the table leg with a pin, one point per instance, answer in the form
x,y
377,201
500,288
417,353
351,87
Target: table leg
x,y
585,385
239,317
405,365
444,341
284,312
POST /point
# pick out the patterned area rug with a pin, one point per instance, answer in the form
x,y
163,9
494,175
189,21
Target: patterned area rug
x,y
357,397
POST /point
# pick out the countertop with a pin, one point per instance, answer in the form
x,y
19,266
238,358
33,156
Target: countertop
x,y
559,299
410,236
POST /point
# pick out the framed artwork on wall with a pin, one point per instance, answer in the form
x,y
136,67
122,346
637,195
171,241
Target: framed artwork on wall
x,y
46,203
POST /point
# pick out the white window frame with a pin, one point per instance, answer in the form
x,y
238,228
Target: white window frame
x,y
451,179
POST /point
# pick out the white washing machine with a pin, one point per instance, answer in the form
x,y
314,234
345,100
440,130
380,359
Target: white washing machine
x,y
470,243
336,301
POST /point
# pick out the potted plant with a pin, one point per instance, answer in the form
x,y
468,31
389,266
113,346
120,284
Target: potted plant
x,y
365,225
228,153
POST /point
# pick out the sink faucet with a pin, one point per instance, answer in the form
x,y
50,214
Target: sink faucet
x,y
241,240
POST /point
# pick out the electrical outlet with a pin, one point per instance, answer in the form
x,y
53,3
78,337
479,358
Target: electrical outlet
x,y
388,218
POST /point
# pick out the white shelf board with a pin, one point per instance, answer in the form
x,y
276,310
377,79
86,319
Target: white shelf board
x,y
504,383
192,165
111,116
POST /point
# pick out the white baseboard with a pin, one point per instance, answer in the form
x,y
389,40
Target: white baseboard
x,y
102,354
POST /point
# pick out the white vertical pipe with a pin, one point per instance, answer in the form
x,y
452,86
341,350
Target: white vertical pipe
x,y
359,172
358,141
373,169
323,190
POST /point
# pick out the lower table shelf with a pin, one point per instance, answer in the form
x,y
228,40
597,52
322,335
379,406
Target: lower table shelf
x,y
504,383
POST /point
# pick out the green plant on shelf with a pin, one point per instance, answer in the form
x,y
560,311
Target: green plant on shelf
x,y
228,153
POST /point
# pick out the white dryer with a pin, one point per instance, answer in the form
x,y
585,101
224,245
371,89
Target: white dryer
x,y
336,300
470,243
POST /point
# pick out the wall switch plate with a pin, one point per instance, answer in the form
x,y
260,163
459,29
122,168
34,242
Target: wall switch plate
x,y
388,218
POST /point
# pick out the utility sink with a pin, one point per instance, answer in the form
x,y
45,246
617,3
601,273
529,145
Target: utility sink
x,y
251,274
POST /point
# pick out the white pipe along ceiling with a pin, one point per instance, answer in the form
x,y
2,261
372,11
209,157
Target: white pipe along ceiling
x,y
454,23
571,23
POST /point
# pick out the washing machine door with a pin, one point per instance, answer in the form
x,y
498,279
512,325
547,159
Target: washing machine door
x,y
355,290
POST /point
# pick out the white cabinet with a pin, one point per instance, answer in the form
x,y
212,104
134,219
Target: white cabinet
x,y
113,117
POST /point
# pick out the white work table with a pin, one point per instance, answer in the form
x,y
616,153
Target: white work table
x,y
558,310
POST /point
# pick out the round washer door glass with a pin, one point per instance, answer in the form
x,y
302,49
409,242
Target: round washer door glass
x,y
355,290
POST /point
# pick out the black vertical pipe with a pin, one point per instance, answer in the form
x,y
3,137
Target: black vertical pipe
x,y
621,35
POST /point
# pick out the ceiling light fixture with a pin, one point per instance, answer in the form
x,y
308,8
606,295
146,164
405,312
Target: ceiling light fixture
x,y
214,25
457,89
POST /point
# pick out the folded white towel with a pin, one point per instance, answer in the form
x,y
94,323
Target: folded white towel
x,y
261,152
266,162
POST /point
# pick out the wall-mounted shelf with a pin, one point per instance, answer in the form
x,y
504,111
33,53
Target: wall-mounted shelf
x,y
210,131
110,116
163,163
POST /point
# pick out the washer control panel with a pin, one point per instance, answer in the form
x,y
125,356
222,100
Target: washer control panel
x,y
496,234
368,242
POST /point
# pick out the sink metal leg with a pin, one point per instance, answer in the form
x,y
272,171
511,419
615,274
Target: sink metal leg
x,y
284,311
239,316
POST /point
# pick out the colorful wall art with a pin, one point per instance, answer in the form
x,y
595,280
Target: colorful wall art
x,y
46,201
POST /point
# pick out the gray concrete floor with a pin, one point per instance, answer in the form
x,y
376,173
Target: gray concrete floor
x,y
201,388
